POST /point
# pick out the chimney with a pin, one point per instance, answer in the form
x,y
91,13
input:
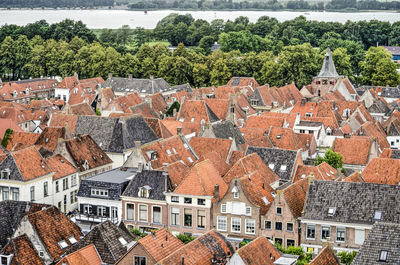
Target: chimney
x,y
183,260
303,101
216,192
137,148
130,76
1,83
174,112
76,75
109,75
140,167
179,130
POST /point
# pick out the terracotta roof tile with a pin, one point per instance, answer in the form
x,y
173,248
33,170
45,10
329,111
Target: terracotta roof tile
x,y
61,166
23,139
219,106
285,138
375,130
355,150
125,102
177,171
295,196
259,251
49,137
201,180
81,109
264,122
158,103
355,177
195,111
325,257
248,165
145,110
158,127
235,156
85,256
30,163
23,251
69,82
321,172
202,250
243,81
161,244
202,146
60,120
217,160
52,226
382,170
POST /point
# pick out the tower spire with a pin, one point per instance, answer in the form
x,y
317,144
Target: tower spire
x,y
328,67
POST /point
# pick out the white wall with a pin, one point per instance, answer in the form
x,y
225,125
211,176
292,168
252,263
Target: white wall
x,y
395,140
61,93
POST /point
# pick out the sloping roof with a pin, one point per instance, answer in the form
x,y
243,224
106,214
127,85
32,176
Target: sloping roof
x,y
147,86
85,256
60,120
227,130
219,106
282,161
52,226
285,138
22,250
160,244
21,140
328,67
195,111
264,122
382,237
325,257
8,124
201,180
158,181
350,206
295,196
11,214
202,146
259,251
382,170
61,166
105,237
243,81
220,164
177,171
82,108
49,137
355,150
202,250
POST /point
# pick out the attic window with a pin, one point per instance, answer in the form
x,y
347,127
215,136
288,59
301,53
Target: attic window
x,y
182,119
63,244
72,240
173,149
378,215
5,174
169,152
271,166
144,191
283,168
47,140
122,241
42,165
331,211
265,200
331,172
192,120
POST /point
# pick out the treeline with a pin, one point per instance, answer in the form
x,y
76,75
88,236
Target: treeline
x,y
265,5
55,3
184,29
24,58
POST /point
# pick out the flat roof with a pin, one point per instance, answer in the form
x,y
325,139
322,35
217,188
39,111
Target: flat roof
x,y
116,175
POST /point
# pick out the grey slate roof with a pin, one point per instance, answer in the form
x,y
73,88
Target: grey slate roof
x,y
115,134
395,154
115,181
211,115
277,157
227,130
105,237
143,86
394,50
328,67
11,213
309,123
383,236
156,180
393,130
379,107
257,96
390,92
183,87
355,202
9,163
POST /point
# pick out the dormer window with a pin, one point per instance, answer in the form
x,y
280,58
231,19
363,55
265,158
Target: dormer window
x,y
308,114
86,165
331,211
99,192
5,174
303,176
144,191
190,159
378,215
235,192
283,168
169,152
278,136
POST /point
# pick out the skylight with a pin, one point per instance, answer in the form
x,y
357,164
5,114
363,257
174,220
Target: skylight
x,y
169,152
283,168
378,215
190,159
271,166
72,240
63,244
122,241
331,211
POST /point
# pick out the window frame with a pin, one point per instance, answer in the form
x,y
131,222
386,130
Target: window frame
x,y
139,212
322,232
313,226
127,211
270,225
140,258
202,220
280,210
343,229
232,224
191,218
385,252
223,204
152,214
175,217
247,221
289,223
276,223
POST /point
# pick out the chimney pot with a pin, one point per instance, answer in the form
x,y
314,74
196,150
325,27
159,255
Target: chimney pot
x,y
130,76
140,167
179,130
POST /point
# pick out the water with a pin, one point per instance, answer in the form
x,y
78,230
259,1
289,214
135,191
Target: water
x,y
116,18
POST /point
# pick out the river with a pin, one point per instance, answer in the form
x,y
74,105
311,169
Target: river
x,y
116,18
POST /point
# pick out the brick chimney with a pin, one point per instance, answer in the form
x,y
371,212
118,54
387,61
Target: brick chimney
x,y
216,192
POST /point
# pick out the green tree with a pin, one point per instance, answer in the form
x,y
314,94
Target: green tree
x,y
7,58
332,158
200,75
7,137
185,238
347,257
220,74
205,43
378,68
175,106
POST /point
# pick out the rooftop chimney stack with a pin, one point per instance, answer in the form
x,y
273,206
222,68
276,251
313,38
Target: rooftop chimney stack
x,y
130,76
109,75
179,130
216,192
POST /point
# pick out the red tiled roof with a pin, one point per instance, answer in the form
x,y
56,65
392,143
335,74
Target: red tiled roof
x,y
158,103
177,171
49,137
219,106
355,177
202,146
295,196
30,163
8,124
60,120
160,244
355,150
82,109
217,160
259,251
382,171
325,257
61,166
21,140
235,156
23,251
85,256
285,138
264,122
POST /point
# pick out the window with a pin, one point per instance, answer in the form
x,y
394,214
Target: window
x,y
187,217
279,210
156,214
222,223
250,226
302,131
278,241
310,232
235,225
289,242
289,227
140,260
331,211
236,194
71,195
6,193
283,168
32,193
383,255
15,194
278,225
122,241
325,232
57,187
45,189
174,216
174,199
340,234
72,240
143,213
201,219
201,202
187,200
267,225
114,212
144,192
99,192
65,184
223,208
190,159
73,181
248,210
63,244
87,209
378,215
169,152
102,211
271,166
130,211
308,114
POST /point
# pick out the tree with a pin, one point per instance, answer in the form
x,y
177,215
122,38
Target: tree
x,y
175,106
205,43
200,75
7,137
7,58
378,68
332,158
185,238
347,257
220,73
